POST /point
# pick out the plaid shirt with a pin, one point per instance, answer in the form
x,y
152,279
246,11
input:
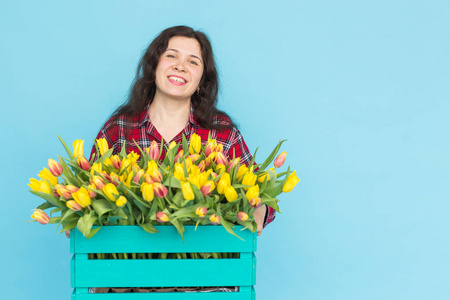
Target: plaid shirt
x,y
120,129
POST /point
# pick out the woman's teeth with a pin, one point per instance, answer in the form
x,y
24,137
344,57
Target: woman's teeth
x,y
177,79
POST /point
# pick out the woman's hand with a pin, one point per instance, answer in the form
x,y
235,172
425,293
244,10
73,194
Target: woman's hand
x,y
67,232
260,214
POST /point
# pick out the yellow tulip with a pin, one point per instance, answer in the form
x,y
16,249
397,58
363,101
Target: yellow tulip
x,y
230,193
121,201
178,173
187,191
195,144
242,216
249,179
45,174
223,182
243,169
34,184
96,167
252,192
291,182
82,197
201,212
220,168
45,188
210,147
92,187
172,145
147,191
110,192
78,148
102,145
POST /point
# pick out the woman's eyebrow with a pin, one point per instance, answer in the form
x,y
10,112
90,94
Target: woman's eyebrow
x,y
192,55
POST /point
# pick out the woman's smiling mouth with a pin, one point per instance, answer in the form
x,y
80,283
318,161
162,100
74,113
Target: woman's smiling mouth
x,y
177,80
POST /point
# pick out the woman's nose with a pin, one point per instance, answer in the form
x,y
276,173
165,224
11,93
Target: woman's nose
x,y
179,66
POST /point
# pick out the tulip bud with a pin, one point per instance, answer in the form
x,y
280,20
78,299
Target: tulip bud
x,y
45,188
160,190
242,170
252,192
202,166
45,174
96,167
215,219
92,194
207,162
263,177
40,216
137,177
194,157
161,217
110,192
148,179
98,182
291,182
71,188
172,145
201,212
242,216
233,163
210,147
83,163
34,184
195,144
116,162
55,167
221,159
223,182
82,197
187,191
208,188
255,202
106,177
133,157
102,145
178,172
279,161
154,150
230,193
249,179
78,147
147,191
220,168
73,205
155,175
63,191
219,148
121,201
178,156
115,179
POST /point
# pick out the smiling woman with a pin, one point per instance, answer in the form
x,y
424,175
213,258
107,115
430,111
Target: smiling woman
x,y
175,94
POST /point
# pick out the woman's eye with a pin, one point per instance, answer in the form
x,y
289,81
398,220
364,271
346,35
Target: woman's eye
x,y
194,63
171,55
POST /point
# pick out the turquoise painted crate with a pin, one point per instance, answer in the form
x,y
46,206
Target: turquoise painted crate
x,y
94,273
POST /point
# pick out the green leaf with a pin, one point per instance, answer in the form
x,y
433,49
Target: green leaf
x,y
50,198
93,232
106,155
136,197
67,172
272,202
227,226
185,145
148,227
45,206
102,206
172,182
85,223
66,147
68,226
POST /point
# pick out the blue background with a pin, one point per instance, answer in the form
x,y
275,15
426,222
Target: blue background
x,y
359,88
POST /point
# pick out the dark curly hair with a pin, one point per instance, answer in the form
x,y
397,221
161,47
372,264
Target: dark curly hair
x,y
144,88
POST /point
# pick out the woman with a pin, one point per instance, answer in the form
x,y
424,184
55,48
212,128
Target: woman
x,y
175,94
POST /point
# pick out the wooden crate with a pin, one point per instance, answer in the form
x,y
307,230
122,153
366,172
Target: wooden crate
x,y
93,273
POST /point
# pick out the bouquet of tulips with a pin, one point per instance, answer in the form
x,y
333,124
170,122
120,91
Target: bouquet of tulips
x,y
194,184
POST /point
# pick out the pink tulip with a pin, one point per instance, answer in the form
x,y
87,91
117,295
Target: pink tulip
x,y
83,163
72,189
40,216
55,167
208,188
154,151
221,159
160,190
137,177
201,211
279,161
116,162
73,205
161,217
242,216
255,202
178,156
214,219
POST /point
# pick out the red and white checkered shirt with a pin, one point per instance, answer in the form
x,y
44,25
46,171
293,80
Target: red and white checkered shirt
x,y
120,129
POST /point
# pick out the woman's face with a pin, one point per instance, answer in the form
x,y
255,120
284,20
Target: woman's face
x,y
180,69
